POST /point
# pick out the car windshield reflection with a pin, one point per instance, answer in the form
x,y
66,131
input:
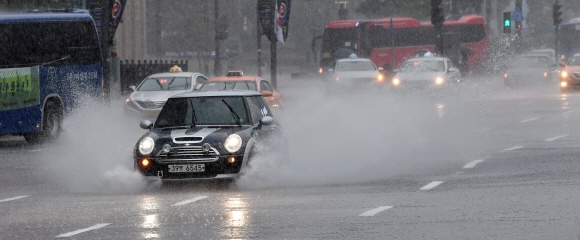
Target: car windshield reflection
x,y
355,66
165,84
202,111
423,66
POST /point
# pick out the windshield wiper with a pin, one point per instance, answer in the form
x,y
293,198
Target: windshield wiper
x,y
236,117
193,113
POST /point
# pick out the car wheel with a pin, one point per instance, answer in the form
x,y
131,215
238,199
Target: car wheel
x,y
51,125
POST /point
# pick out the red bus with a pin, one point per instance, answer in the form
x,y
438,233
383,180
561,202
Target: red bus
x,y
372,39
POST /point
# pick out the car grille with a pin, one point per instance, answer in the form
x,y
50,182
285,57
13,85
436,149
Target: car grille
x,y
576,74
189,153
151,105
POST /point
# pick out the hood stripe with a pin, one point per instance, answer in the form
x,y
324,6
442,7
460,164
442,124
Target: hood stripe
x,y
201,133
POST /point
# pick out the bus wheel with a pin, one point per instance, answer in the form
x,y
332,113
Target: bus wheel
x,y
51,125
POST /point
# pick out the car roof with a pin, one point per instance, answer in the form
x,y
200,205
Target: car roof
x,y
353,60
428,59
174,74
233,78
234,93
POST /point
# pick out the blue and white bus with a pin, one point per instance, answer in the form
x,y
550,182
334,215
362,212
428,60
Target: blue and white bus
x,y
569,39
48,62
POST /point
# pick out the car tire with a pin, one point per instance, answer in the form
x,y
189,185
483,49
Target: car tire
x,y
51,125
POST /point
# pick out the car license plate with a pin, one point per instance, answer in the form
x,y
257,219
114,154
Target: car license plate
x,y
187,168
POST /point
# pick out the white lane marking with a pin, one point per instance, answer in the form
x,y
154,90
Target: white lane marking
x,y
189,201
529,120
431,185
100,225
473,163
512,148
371,213
12,199
483,129
557,137
571,111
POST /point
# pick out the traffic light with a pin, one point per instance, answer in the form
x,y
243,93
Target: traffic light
x,y
557,13
507,22
437,16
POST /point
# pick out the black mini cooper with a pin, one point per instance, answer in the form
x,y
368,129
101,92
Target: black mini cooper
x,y
207,135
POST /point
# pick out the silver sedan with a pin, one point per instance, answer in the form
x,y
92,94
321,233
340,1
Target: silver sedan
x,y
426,73
149,97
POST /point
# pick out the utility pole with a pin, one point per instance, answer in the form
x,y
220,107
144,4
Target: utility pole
x,y
273,41
557,15
106,16
259,35
217,70
437,19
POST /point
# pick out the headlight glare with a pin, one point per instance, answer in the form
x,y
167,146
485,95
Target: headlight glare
x,y
396,81
146,145
233,143
564,74
439,80
380,77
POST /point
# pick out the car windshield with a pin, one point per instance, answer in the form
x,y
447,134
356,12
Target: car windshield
x,y
355,66
574,61
228,85
531,61
165,84
423,66
179,112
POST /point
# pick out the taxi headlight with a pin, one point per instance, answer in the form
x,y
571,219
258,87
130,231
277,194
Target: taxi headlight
x,y
146,145
233,143
439,80
564,74
396,81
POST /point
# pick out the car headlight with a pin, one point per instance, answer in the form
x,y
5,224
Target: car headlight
x,y
505,75
233,143
146,145
439,80
564,74
380,78
396,81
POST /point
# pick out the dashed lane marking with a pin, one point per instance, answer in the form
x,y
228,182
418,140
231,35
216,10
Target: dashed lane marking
x,y
12,199
557,137
69,234
529,120
42,149
571,111
431,185
189,201
472,163
371,213
512,148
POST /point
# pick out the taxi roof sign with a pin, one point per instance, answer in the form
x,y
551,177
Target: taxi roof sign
x,y
235,73
175,68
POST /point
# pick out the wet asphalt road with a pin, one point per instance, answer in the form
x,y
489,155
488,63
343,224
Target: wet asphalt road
x,y
483,163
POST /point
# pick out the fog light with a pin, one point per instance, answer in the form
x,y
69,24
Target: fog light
x,y
396,81
127,100
145,162
231,159
563,84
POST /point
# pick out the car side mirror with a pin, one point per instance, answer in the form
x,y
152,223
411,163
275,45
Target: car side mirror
x,y
562,64
330,70
267,93
266,120
381,69
452,69
395,70
197,87
132,88
146,124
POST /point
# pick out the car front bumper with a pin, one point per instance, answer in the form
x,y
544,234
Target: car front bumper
x,y
218,169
